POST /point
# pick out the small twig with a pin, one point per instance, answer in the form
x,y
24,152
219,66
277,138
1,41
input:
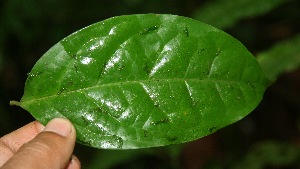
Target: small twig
x,y
14,103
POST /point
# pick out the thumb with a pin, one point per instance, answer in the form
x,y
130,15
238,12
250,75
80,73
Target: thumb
x,y
52,148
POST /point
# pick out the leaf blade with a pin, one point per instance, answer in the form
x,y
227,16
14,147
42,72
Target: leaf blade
x,y
131,82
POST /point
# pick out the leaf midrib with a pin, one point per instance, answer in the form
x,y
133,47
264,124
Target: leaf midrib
x,y
132,82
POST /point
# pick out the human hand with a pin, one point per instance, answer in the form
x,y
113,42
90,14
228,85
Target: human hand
x,y
35,146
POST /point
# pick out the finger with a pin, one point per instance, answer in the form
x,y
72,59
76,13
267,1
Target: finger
x,y
51,148
74,163
10,143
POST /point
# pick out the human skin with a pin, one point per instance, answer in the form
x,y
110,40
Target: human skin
x,y
34,146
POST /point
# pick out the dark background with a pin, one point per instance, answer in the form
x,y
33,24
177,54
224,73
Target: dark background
x,y
267,138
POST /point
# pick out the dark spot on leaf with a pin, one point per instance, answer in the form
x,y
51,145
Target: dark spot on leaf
x,y
195,102
102,70
212,129
161,121
104,65
88,143
171,138
145,133
33,74
186,32
116,141
98,110
149,30
200,51
73,56
121,67
76,68
61,90
146,69
218,52
85,121
251,85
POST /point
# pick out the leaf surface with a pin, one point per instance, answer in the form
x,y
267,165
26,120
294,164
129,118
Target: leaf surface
x,y
144,81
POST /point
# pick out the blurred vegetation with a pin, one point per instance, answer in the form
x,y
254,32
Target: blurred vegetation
x,y
268,138
274,64
270,153
224,13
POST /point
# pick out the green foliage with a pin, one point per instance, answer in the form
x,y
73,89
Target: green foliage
x,y
145,80
282,57
225,13
111,159
270,153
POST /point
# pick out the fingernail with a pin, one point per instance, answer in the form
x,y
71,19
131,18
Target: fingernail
x,y
59,126
74,163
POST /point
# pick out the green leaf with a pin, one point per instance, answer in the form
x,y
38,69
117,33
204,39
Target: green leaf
x,y
145,80
225,13
112,159
281,58
270,153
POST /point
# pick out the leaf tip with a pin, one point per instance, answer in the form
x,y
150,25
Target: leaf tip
x,y
14,103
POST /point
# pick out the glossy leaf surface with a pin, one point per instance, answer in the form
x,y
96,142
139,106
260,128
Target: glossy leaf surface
x,y
145,80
